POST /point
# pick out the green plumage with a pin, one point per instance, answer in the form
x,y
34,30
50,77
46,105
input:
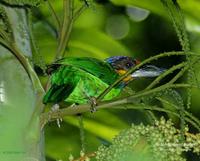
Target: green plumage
x,y
74,80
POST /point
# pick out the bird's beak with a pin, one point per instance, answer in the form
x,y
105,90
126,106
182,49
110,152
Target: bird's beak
x,y
148,71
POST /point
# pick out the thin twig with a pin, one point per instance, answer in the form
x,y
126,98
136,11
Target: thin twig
x,y
193,120
160,88
66,27
192,117
54,14
102,95
79,12
169,71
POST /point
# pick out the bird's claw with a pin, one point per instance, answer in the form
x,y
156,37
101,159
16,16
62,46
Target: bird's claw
x,y
56,108
73,105
59,121
93,103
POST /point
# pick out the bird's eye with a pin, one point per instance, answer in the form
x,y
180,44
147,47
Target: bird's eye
x,y
128,65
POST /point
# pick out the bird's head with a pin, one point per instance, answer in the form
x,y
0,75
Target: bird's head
x,y
121,64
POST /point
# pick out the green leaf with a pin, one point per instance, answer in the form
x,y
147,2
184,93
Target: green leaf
x,y
100,46
82,43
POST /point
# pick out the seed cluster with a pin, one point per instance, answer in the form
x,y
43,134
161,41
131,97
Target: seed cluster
x,y
160,142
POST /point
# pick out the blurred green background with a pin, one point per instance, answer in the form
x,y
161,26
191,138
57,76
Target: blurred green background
x,y
107,28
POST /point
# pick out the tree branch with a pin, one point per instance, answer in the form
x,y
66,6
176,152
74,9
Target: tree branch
x,y
126,103
28,68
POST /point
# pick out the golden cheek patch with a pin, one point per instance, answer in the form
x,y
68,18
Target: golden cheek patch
x,y
122,72
128,78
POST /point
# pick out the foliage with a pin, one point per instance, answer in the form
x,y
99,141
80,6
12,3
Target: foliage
x,y
80,28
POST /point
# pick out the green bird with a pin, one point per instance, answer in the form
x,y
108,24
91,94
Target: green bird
x,y
77,80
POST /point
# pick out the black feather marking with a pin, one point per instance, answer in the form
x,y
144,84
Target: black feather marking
x,y
58,93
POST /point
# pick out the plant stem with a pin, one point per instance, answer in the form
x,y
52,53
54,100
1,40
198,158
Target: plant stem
x,y
158,89
126,102
66,27
193,120
169,71
54,14
79,11
192,117
28,68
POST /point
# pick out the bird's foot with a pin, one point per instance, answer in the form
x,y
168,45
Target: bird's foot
x,y
74,105
56,108
93,103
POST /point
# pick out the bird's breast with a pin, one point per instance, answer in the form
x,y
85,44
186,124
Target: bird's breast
x,y
88,87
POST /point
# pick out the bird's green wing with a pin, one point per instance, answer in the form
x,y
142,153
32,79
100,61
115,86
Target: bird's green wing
x,y
96,67
67,72
57,93
63,82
